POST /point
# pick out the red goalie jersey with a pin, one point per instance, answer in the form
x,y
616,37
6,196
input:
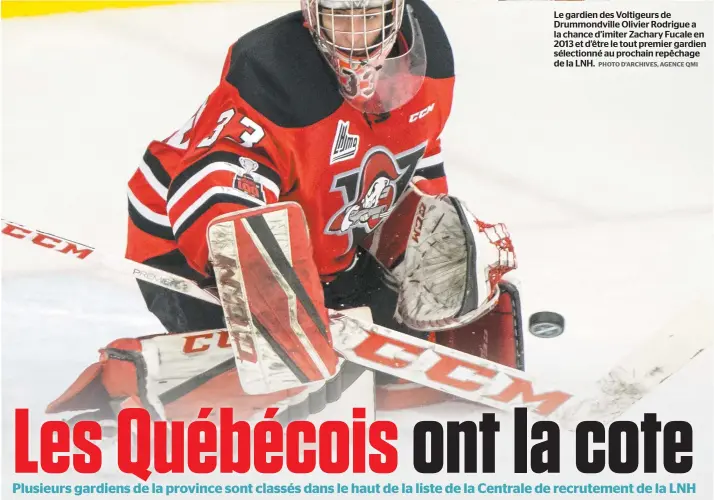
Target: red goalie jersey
x,y
275,129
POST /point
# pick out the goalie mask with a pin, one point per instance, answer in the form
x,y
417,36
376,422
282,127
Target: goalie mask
x,y
380,62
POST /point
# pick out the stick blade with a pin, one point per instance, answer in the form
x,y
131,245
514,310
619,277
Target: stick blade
x,y
686,335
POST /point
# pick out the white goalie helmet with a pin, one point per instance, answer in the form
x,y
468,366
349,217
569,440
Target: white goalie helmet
x,y
379,65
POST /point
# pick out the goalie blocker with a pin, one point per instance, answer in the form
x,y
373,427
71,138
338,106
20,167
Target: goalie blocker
x,y
276,337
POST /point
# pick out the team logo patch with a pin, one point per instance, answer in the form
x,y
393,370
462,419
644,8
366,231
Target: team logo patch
x,y
370,191
345,145
244,180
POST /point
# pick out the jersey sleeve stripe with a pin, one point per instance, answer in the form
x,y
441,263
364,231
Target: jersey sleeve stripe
x,y
146,212
217,194
219,157
201,170
197,177
157,169
151,179
142,191
149,227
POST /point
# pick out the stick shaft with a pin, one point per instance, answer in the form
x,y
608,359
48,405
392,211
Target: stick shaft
x,y
73,249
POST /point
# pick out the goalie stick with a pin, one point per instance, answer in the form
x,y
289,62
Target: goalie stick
x,y
466,376
118,264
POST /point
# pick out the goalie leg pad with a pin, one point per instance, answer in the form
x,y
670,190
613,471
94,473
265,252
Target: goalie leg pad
x,y
173,376
272,297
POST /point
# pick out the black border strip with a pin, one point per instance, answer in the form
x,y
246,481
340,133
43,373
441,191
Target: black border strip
x,y
284,356
196,381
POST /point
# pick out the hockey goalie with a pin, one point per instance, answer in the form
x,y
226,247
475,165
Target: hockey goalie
x,y
311,179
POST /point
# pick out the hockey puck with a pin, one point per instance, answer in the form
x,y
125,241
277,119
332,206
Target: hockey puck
x,y
546,324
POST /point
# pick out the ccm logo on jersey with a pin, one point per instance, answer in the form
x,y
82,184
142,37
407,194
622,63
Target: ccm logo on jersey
x,y
421,114
47,240
345,145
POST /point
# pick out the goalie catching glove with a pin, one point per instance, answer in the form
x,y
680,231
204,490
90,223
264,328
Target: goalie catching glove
x,y
444,263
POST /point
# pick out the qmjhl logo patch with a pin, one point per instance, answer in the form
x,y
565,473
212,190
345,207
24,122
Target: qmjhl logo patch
x,y
345,145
